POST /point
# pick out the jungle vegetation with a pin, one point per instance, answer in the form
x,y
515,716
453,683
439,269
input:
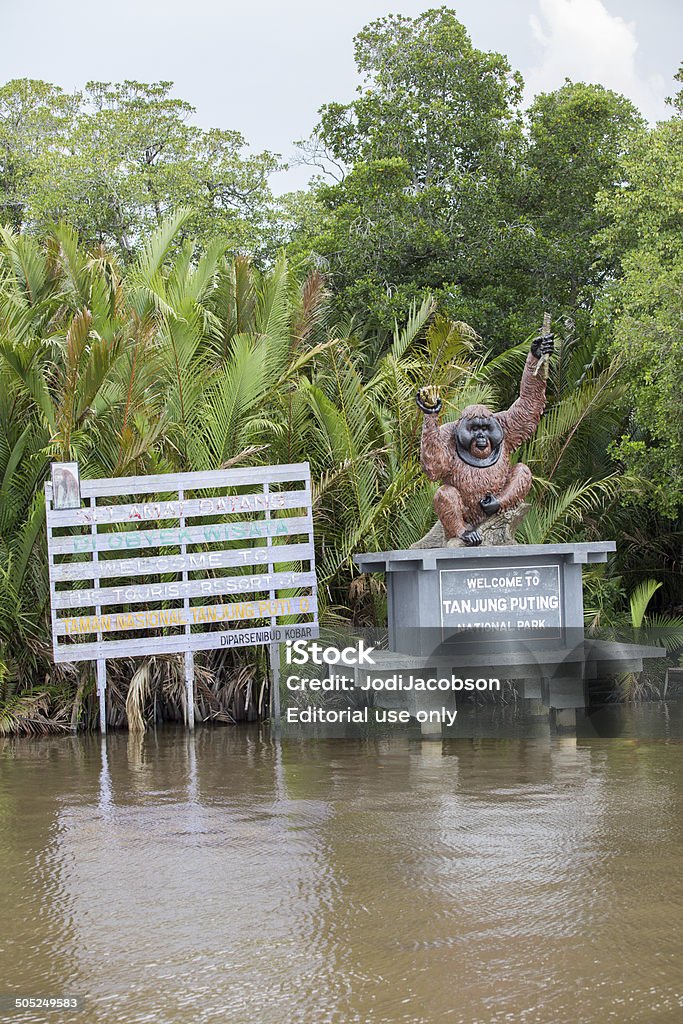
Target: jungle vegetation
x,y
161,310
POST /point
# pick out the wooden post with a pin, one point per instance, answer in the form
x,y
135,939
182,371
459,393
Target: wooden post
x,y
311,538
189,656
102,692
275,684
274,648
101,662
189,689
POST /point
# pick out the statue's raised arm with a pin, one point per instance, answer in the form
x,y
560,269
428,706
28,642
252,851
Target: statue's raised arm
x,y
521,419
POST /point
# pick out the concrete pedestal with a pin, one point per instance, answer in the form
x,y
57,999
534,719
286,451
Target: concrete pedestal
x,y
513,612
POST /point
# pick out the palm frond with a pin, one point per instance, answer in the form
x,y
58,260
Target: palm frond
x,y
640,599
417,318
158,245
562,515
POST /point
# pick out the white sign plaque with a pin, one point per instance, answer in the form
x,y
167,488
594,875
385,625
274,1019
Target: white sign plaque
x,y
498,600
66,486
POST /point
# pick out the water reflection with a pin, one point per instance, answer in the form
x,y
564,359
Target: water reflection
x,y
224,876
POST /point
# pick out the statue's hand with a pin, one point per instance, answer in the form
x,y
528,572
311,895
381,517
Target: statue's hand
x,y
472,538
489,505
428,399
544,345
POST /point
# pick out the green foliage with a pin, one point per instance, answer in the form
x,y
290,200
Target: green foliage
x,y
577,137
643,310
421,153
115,159
639,626
35,120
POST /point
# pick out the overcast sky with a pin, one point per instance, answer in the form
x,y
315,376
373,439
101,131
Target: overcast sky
x,y
264,67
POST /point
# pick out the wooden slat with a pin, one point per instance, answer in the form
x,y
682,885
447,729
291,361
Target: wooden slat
x,y
209,533
163,618
227,504
226,639
164,564
142,593
163,483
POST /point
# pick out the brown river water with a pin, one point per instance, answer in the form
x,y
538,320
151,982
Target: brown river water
x,y
230,877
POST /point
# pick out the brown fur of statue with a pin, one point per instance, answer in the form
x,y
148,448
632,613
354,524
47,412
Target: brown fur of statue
x,y
471,457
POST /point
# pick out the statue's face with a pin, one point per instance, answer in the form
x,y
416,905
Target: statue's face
x,y
479,440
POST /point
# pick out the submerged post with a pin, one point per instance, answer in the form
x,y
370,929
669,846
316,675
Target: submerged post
x,y
189,689
275,683
102,692
189,655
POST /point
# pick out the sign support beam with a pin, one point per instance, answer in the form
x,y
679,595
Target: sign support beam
x,y
102,693
189,656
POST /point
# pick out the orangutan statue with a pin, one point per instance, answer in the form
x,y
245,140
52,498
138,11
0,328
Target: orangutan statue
x,y
471,457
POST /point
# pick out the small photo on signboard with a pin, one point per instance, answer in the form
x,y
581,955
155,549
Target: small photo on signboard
x,y
66,485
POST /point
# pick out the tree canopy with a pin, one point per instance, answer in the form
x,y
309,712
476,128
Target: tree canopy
x,y
642,310
114,159
444,183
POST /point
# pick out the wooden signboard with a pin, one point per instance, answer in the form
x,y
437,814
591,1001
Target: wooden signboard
x,y
182,562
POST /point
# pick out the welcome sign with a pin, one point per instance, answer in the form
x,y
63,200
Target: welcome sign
x,y
499,600
177,563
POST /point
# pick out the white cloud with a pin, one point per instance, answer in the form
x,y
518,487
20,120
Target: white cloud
x,y
581,40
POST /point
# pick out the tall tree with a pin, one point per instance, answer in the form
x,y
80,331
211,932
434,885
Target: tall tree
x,y
442,186
643,308
421,155
578,136
36,118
